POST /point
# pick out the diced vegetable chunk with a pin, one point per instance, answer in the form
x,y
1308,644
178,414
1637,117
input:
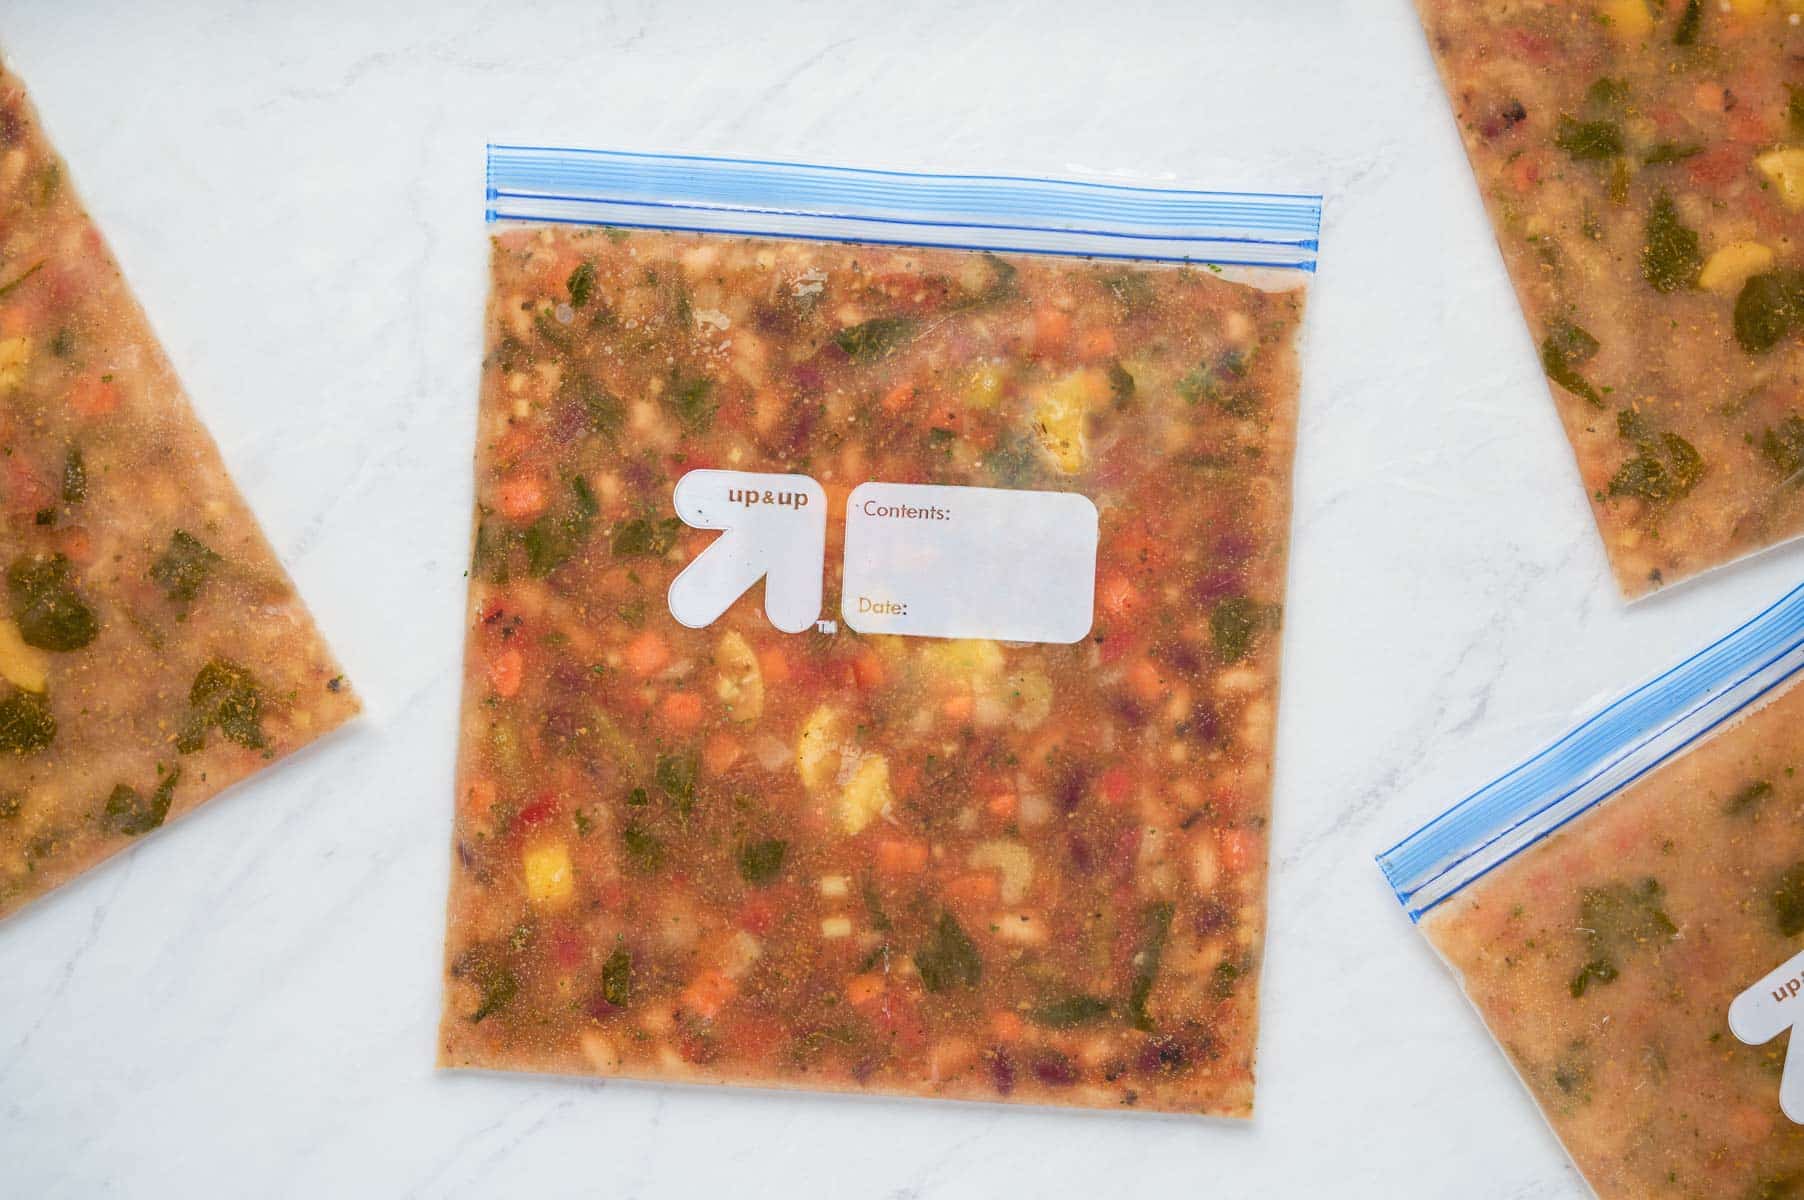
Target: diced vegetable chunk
x,y
1785,168
867,794
23,666
739,682
549,877
1062,415
1730,267
820,747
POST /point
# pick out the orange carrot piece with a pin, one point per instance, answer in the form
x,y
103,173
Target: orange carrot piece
x,y
93,396
514,443
1525,173
1116,785
767,407
707,994
683,711
481,795
773,665
1239,848
979,888
897,398
1117,595
1097,343
959,706
899,856
1007,1025
1709,97
1052,330
647,654
867,670
862,989
719,753
1002,806
507,668
522,497
1144,678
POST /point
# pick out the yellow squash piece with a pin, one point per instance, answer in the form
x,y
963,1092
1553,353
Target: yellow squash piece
x,y
1028,697
820,747
1063,414
983,386
1733,266
15,355
1013,861
22,665
1786,169
867,794
549,876
964,659
1755,8
740,684
1629,20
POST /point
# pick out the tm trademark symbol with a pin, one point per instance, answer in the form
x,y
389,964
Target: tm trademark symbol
x,y
826,626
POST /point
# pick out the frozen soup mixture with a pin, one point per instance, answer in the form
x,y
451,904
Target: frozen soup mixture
x,y
1024,871
1643,164
152,651
1605,960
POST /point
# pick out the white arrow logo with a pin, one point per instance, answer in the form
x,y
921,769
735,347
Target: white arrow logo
x,y
776,530
1765,1011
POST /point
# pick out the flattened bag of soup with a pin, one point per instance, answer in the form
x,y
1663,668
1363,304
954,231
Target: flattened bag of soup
x,y
1626,912
153,651
1642,162
873,630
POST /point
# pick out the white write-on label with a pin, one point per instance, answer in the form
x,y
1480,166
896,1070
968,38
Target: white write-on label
x,y
1773,1005
925,560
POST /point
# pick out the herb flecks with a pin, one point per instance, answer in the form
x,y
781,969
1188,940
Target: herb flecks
x,y
1664,468
1617,921
877,338
1672,255
1768,309
949,958
129,812
1566,348
226,697
27,723
1155,930
1588,141
184,567
50,612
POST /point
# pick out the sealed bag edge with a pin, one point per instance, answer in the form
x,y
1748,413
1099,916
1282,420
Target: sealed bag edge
x,y
1249,233
1597,758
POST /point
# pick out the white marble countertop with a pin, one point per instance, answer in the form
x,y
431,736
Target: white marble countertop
x,y
246,1003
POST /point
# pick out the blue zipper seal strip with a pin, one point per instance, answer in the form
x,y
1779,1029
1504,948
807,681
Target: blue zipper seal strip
x,y
1075,218
1594,761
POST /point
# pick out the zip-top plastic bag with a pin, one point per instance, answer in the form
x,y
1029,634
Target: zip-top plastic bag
x,y
1626,912
153,651
873,645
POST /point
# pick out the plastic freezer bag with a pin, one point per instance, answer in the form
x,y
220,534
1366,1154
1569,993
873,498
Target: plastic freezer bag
x,y
152,651
1626,912
873,630
1643,165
